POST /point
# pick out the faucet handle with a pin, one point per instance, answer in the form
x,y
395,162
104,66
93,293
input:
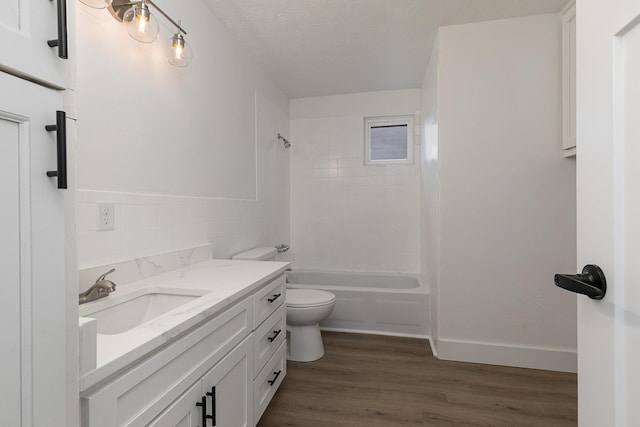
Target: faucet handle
x,y
282,248
100,289
101,278
110,286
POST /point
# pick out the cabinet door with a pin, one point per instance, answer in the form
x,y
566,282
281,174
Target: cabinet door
x,y
228,388
32,288
183,412
25,28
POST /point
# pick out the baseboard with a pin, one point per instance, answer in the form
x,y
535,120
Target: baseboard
x,y
390,334
434,349
498,354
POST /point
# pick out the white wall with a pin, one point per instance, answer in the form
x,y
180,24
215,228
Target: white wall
x,y
180,151
273,174
346,216
507,215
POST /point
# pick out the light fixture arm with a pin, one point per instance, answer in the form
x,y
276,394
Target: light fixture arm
x,y
118,7
162,12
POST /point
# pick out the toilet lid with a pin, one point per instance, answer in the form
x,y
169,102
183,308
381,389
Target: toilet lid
x,y
308,297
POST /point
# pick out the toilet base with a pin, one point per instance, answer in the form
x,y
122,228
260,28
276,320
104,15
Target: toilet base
x,y
304,343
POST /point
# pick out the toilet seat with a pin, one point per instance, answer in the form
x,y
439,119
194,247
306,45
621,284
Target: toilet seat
x,y
300,298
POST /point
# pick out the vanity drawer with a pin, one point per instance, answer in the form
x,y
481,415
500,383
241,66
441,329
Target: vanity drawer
x,y
267,300
268,381
135,398
268,337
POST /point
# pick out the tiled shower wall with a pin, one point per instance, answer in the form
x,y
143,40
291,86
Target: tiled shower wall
x,y
151,224
346,216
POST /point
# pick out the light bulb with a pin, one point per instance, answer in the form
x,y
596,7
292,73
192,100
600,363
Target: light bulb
x,y
141,24
179,53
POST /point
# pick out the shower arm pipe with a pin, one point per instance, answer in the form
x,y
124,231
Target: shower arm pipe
x,y
284,139
162,12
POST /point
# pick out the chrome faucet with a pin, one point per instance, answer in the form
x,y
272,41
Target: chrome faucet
x,y
282,248
100,289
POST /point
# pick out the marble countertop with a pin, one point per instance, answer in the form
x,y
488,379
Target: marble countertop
x,y
228,282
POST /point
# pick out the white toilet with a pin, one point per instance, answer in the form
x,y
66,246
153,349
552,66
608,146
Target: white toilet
x,y
306,308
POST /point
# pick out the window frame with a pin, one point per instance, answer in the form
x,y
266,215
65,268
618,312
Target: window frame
x,y
372,122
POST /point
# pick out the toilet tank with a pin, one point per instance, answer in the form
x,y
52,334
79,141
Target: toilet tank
x,y
257,254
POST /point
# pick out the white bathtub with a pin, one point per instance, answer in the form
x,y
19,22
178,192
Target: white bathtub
x,y
389,304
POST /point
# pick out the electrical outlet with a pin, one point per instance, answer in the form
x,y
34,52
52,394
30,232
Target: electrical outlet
x,y
105,216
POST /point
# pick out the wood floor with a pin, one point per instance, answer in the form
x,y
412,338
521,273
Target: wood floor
x,y
370,381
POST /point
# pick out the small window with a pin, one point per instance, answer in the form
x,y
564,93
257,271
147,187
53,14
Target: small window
x,y
388,140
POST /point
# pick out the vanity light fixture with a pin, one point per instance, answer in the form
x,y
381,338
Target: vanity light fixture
x,y
142,25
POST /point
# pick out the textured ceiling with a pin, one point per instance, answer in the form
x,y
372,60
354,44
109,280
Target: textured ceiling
x,y
327,47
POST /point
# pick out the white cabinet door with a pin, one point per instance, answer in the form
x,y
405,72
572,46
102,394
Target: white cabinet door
x,y
183,412
224,388
25,28
228,389
32,291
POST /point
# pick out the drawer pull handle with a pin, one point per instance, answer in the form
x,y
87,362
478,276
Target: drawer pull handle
x,y
61,41
212,417
275,297
61,147
275,335
273,381
203,405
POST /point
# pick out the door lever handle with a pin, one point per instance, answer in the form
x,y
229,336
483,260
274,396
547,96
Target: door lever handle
x,y
591,282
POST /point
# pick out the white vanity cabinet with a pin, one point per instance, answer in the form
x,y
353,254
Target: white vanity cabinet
x,y
139,394
220,373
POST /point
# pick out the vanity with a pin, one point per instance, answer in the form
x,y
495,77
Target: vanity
x,y
203,346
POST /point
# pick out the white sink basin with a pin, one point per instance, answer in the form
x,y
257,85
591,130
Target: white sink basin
x,y
116,314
